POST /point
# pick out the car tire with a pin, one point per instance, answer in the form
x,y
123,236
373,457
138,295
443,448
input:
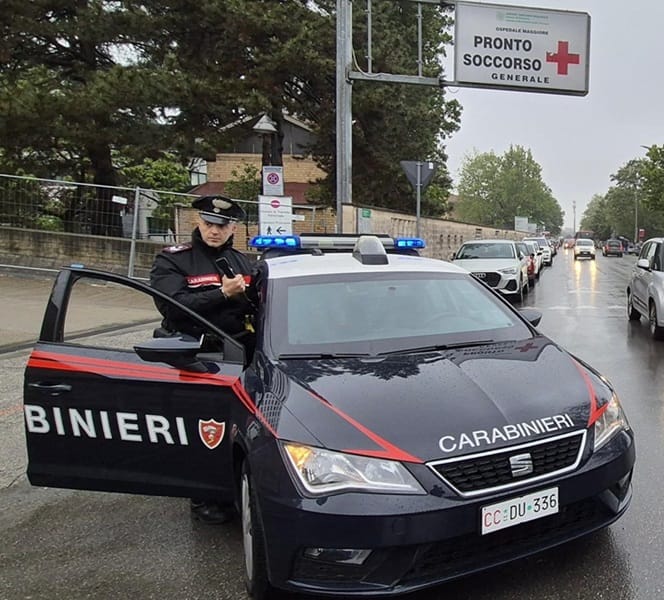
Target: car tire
x,y
632,313
253,542
656,331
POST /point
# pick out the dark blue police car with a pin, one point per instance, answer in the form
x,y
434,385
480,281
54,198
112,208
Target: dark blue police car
x,y
381,438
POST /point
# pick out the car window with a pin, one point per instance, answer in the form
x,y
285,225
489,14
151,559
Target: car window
x,y
584,242
333,314
656,264
478,250
650,252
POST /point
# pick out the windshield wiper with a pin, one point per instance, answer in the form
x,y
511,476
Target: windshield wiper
x,y
437,347
322,355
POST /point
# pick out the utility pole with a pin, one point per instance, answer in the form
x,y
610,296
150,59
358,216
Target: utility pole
x,y
574,213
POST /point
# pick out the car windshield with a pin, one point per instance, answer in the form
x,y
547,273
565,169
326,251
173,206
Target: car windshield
x,y
479,250
332,315
614,243
584,242
541,242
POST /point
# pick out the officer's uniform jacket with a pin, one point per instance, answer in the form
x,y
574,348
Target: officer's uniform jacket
x,y
188,273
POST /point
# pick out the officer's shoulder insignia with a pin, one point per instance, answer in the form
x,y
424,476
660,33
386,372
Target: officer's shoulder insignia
x,y
177,248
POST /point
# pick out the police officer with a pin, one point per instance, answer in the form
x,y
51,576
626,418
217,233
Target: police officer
x,y
191,274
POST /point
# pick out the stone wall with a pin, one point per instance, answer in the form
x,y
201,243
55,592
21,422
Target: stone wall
x,y
51,250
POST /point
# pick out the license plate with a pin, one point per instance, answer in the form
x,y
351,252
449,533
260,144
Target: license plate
x,y
519,510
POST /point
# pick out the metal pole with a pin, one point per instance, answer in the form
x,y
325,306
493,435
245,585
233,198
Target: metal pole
x,y
134,232
636,214
419,197
344,109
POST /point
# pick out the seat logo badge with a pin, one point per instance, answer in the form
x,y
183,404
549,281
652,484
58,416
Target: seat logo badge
x,y
521,464
211,432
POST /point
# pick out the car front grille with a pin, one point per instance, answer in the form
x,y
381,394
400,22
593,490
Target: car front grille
x,y
490,471
490,278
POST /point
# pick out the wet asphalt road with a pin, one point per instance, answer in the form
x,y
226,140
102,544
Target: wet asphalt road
x,y
58,544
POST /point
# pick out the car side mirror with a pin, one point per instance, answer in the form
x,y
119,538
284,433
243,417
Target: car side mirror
x,y
532,315
643,263
179,352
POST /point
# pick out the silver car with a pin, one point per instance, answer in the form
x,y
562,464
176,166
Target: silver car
x,y
645,291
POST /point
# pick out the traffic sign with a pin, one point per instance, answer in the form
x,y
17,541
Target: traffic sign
x,y
273,181
275,215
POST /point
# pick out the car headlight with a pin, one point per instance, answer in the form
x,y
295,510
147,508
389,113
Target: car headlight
x,y
324,472
510,271
612,421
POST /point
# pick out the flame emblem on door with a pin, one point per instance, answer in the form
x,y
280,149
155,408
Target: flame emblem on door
x,y
211,432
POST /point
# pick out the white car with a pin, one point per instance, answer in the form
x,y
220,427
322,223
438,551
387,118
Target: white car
x,y
499,263
645,291
534,249
584,247
547,256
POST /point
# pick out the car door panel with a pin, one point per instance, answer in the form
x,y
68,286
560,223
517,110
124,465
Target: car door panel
x,y
104,419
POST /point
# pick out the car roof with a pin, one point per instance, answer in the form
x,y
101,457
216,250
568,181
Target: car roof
x,y
366,254
489,241
304,265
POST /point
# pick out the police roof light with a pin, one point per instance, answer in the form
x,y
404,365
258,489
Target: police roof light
x,y
275,241
403,243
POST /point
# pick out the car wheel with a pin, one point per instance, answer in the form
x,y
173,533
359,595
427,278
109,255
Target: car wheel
x,y
255,570
632,313
656,331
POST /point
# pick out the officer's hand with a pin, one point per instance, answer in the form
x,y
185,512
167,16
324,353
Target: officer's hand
x,y
232,286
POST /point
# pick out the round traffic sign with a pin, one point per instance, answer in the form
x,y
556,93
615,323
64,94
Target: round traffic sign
x,y
275,203
273,178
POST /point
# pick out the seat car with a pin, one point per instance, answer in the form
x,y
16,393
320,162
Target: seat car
x,y
645,290
541,241
382,436
612,248
498,263
584,248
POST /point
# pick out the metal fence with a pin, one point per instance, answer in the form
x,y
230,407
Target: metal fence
x,y
135,222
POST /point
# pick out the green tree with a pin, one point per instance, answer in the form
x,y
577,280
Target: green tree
x,y
494,189
85,81
629,199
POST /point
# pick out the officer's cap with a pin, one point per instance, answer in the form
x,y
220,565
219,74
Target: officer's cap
x,y
218,209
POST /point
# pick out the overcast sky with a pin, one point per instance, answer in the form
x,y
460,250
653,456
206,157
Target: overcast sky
x,y
579,141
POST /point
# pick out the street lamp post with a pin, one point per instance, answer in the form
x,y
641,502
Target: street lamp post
x,y
266,128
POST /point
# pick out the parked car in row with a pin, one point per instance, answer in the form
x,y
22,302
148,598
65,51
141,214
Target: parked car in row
x,y
543,243
612,248
534,258
498,263
584,248
645,290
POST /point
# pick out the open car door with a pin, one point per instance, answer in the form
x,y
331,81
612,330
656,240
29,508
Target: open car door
x,y
110,407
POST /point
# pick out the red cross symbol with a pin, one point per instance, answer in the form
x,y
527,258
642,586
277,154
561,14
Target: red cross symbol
x,y
563,58
526,347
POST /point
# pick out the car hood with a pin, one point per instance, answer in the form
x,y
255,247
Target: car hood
x,y
487,264
419,407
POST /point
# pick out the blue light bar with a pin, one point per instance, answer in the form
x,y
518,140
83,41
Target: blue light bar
x,y
409,243
275,241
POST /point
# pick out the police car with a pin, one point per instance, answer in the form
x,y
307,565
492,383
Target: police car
x,y
378,440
